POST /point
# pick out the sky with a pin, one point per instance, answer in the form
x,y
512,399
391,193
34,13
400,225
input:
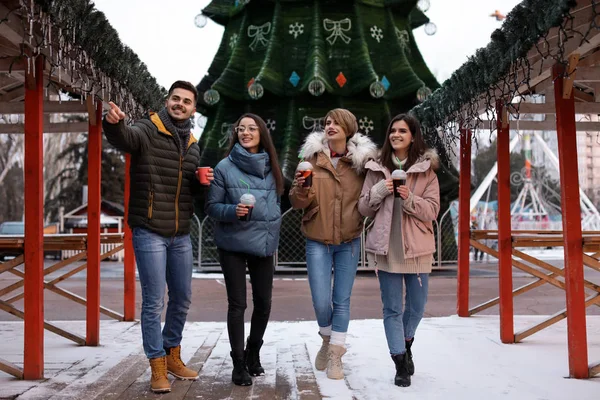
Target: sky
x,y
164,35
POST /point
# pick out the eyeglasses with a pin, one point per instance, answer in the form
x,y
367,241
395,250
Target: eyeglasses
x,y
242,129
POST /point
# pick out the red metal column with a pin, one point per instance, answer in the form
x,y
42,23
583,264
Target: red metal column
x,y
129,259
464,220
571,217
92,337
33,363
507,332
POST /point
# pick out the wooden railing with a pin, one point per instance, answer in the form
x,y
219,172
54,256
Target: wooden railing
x,y
544,272
78,243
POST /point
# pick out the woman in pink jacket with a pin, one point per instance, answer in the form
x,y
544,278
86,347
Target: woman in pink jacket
x,y
400,243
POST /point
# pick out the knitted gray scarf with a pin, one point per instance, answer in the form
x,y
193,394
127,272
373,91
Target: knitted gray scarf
x,y
179,129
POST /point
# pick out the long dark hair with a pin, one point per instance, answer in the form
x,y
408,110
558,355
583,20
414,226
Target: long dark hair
x,y
416,149
266,144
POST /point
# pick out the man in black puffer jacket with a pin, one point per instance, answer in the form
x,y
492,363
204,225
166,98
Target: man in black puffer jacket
x,y
164,160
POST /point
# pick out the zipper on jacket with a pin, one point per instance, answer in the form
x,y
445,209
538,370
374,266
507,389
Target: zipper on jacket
x,y
177,195
151,204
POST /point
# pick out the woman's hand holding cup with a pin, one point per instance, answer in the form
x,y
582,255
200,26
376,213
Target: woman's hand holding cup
x,y
389,184
403,191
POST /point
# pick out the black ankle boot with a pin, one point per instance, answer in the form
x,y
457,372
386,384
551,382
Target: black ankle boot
x,y
240,375
252,356
402,377
410,364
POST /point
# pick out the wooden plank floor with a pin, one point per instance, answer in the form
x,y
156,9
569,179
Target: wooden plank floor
x,y
289,376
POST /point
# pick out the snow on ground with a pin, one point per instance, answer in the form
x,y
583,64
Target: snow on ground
x,y
455,358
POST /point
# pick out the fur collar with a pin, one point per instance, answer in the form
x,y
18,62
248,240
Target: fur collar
x,y
429,159
360,148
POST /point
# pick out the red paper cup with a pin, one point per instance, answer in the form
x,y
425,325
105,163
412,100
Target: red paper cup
x,y
202,175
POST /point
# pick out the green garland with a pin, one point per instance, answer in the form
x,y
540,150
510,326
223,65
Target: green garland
x,y
84,26
524,26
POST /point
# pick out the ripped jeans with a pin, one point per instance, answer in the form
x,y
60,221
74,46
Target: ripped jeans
x,y
332,304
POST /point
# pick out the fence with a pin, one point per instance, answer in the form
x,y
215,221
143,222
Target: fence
x,y
291,252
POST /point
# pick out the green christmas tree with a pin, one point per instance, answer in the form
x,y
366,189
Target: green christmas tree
x,y
290,61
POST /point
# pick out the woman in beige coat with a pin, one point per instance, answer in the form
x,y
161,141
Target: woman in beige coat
x,y
332,226
400,243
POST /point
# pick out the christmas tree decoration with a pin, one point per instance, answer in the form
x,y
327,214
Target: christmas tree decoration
x,y
211,97
200,21
294,79
377,89
386,84
430,28
296,29
341,79
316,87
423,93
424,5
256,90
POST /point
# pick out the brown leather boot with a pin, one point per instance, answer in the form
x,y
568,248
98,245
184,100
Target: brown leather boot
x,y
177,368
159,382
322,357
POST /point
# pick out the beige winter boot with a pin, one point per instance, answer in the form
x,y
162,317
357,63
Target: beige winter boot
x,y
335,368
159,382
322,357
177,368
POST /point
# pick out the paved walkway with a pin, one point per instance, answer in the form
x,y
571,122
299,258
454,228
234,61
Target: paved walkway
x,y
456,358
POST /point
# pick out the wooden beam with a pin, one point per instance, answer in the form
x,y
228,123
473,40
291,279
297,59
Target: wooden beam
x,y
11,369
549,108
464,222
50,107
11,27
129,259
507,329
93,225
47,325
571,217
588,74
33,364
13,95
62,127
548,125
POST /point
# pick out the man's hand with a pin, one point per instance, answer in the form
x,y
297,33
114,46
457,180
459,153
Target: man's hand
x,y
241,210
114,114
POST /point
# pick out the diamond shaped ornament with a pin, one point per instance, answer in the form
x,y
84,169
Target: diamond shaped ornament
x,y
294,79
385,82
341,79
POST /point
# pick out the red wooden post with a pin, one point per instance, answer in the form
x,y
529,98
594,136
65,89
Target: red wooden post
x,y
93,229
129,259
571,217
464,220
33,360
507,332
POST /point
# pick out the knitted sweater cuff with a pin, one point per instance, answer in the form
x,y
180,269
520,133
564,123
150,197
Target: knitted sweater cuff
x,y
379,191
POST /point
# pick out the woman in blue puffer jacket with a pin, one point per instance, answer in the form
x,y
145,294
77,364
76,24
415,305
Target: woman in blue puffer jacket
x,y
247,237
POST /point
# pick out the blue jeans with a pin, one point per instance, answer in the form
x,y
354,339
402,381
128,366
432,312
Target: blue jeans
x,y
163,262
400,326
320,258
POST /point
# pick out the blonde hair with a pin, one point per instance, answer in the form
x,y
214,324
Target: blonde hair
x,y
345,119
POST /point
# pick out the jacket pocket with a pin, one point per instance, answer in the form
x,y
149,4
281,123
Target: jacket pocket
x,y
423,227
310,214
150,204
